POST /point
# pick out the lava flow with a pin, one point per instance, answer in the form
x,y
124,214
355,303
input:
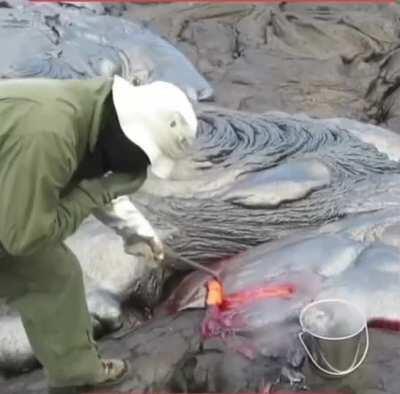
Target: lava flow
x,y
224,317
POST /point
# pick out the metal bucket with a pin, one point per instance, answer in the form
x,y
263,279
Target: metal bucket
x,y
334,336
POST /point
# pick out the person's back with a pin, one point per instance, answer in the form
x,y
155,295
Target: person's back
x,y
29,106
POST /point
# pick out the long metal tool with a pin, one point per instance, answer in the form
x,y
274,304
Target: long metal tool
x,y
169,252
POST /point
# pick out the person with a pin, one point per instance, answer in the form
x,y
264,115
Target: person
x,y
67,148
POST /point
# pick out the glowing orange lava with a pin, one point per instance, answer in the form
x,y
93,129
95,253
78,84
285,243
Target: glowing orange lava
x,y
260,293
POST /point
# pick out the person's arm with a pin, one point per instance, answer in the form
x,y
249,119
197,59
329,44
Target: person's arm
x,y
32,213
128,222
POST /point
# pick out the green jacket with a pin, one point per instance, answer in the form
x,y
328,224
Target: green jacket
x,y
47,128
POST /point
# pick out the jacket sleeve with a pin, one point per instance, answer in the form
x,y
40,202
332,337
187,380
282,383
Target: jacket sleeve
x,y
125,219
32,213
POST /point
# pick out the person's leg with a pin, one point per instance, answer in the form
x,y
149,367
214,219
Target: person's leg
x,y
47,289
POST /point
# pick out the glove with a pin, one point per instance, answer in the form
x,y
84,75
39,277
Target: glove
x,y
120,184
154,252
132,226
144,232
156,246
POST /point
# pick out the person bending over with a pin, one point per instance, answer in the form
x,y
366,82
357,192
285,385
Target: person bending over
x,y
67,148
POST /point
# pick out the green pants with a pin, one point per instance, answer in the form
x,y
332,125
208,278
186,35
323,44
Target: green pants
x,y
47,289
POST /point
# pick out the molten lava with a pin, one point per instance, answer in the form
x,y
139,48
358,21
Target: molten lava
x,y
238,299
224,317
217,297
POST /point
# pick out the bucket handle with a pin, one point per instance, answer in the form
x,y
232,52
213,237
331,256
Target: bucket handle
x,y
341,373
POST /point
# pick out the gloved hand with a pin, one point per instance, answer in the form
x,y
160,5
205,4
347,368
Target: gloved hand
x,y
146,234
120,184
156,246
132,226
145,249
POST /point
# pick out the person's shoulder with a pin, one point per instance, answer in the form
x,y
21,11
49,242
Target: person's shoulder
x,y
44,129
50,91
43,139
62,108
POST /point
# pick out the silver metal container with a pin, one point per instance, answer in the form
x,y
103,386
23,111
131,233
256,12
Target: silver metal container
x,y
334,336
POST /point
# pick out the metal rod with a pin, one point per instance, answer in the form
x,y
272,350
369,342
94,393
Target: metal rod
x,y
191,263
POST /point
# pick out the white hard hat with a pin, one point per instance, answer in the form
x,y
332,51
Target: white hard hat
x,y
159,118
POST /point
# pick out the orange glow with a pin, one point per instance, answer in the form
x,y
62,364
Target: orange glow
x,y
217,297
215,293
261,293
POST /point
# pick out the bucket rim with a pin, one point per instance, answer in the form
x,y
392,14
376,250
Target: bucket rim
x,y
364,326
